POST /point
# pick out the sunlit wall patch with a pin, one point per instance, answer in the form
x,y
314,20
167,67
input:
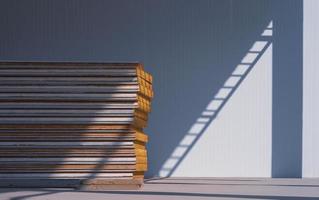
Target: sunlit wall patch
x,y
218,101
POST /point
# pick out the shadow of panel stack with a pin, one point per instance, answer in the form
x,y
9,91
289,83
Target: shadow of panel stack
x,y
73,124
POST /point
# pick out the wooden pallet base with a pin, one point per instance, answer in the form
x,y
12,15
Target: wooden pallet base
x,y
109,184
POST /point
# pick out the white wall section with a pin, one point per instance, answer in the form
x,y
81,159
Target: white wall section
x,y
311,89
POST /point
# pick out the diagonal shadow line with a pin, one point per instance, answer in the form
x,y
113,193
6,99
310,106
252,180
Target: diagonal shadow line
x,y
99,166
263,38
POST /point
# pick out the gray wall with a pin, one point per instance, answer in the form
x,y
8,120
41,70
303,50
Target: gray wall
x,y
191,48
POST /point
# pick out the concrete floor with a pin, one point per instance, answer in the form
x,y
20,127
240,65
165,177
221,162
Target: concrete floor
x,y
184,188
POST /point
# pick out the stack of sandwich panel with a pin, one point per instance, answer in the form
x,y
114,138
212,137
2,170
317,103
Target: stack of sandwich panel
x,y
74,121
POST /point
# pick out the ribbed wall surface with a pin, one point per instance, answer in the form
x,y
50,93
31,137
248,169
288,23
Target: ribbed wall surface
x,y
192,48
